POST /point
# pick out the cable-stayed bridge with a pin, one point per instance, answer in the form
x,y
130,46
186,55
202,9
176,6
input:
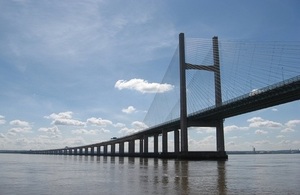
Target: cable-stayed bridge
x,y
208,81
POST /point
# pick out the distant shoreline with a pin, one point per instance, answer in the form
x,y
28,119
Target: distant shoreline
x,y
265,152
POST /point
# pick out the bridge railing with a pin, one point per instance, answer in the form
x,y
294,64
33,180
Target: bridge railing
x,y
264,89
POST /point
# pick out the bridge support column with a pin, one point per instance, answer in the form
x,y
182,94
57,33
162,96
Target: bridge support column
x,y
98,150
218,95
86,151
141,145
121,147
92,150
176,141
155,143
146,144
131,146
220,136
80,151
183,107
165,142
113,148
105,149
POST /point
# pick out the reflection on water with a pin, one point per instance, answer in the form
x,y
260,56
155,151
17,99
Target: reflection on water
x,y
54,174
158,176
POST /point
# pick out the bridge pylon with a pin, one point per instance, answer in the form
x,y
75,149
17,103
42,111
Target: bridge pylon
x,y
215,68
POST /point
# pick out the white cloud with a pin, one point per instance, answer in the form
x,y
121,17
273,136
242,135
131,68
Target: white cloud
x,y
119,125
290,126
84,131
53,131
99,122
64,118
231,143
143,86
2,120
139,125
76,141
262,142
287,130
136,127
128,131
260,132
234,128
71,122
207,143
19,130
292,123
204,129
89,132
102,130
280,136
129,110
19,123
284,142
61,115
258,122
2,136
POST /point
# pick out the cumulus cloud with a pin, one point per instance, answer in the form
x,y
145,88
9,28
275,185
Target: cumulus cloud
x,y
262,142
19,130
99,122
53,131
260,132
139,125
287,130
204,129
136,127
280,136
2,120
89,132
64,118
129,110
71,122
231,143
75,141
292,123
258,122
119,125
61,115
128,131
2,136
84,131
234,128
284,142
19,123
207,143
143,86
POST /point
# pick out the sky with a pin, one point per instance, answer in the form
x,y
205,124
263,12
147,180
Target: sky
x,y
80,72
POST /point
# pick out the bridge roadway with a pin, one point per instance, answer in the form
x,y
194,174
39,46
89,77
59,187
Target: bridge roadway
x,y
279,93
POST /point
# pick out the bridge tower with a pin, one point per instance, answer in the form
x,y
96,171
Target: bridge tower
x,y
215,68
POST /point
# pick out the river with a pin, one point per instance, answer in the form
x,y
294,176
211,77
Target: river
x,y
58,174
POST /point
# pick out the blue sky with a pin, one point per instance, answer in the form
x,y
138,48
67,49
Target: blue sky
x,y
65,67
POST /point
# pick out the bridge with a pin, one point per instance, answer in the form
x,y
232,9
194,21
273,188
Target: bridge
x,y
260,75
